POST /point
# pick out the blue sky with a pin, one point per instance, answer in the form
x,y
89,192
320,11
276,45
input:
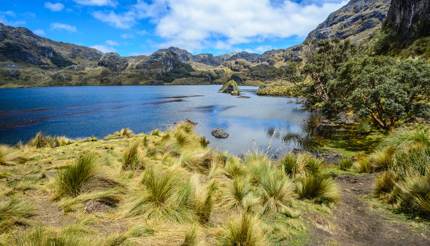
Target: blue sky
x,y
134,27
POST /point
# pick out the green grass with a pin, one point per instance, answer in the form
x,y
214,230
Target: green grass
x,y
276,190
71,180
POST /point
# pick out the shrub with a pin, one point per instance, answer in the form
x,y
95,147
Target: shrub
x,y
13,212
71,180
132,159
317,187
243,230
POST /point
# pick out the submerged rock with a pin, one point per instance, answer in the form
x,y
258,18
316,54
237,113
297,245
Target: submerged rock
x,y
219,133
230,87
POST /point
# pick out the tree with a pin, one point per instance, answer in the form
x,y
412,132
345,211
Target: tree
x,y
383,89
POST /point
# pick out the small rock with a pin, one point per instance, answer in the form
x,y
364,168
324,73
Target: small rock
x,y
219,133
96,206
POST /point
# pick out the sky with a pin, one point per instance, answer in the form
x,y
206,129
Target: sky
x,y
140,27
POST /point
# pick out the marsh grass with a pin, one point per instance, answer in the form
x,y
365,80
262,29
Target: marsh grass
x,y
14,212
71,180
236,191
243,229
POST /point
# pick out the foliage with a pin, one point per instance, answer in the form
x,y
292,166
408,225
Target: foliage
x,y
318,187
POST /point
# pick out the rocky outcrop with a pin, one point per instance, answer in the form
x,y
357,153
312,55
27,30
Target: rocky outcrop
x,y
230,87
113,61
408,20
357,20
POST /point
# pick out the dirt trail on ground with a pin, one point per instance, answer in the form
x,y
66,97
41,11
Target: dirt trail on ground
x,y
354,222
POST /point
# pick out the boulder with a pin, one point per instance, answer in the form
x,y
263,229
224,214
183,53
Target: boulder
x,y
219,133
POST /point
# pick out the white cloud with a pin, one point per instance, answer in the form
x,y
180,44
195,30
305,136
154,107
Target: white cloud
x,y
63,27
260,49
96,2
103,48
127,36
111,43
40,32
54,6
193,24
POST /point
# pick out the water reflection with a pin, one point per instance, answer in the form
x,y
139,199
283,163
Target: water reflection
x,y
254,124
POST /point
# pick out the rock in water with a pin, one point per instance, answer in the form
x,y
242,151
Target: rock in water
x,y
230,87
219,133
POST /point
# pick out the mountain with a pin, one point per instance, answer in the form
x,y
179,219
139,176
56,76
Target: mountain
x,y
408,20
20,45
357,20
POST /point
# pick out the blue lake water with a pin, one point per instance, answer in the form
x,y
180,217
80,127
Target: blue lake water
x,y
254,124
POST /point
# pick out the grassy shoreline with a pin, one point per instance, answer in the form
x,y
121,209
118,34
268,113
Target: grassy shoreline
x,y
164,188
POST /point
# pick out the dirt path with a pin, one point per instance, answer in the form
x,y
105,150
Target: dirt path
x,y
354,222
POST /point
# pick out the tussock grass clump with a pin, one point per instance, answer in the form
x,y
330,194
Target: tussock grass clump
x,y
275,191
203,142
382,159
317,187
290,164
181,138
236,192
163,196
244,229
406,183
71,180
385,183
190,237
123,133
13,212
202,199
345,164
363,165
234,167
133,158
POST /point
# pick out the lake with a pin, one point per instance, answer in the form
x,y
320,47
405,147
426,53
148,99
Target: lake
x,y
254,123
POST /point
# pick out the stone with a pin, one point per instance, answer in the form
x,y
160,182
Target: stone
x,y
219,133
